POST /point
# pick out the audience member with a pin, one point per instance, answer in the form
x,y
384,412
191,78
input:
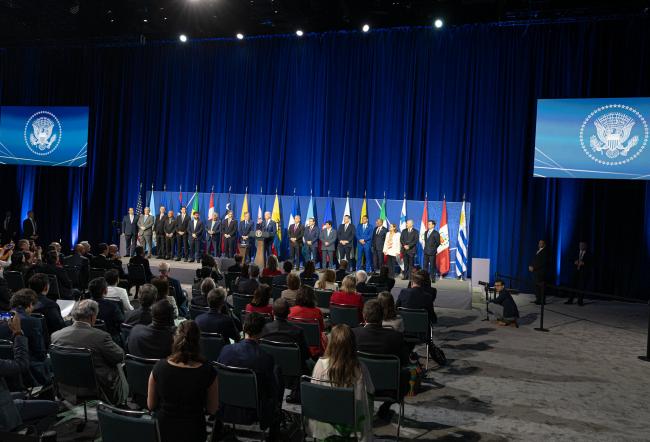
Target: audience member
x,y
348,295
177,293
214,321
116,260
361,278
271,268
142,315
114,292
140,259
109,312
260,301
342,271
87,249
291,292
5,295
162,288
309,276
40,284
201,299
237,266
327,280
209,268
383,279
154,341
416,297
281,330
78,260
305,309
281,280
53,267
250,284
101,261
391,319
19,264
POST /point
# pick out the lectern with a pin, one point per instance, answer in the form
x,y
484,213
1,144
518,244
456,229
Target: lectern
x,y
260,236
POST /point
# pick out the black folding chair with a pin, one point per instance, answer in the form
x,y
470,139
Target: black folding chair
x,y
15,280
239,303
119,425
96,273
196,310
211,345
286,356
310,328
323,298
344,314
324,402
137,375
100,324
367,296
73,274
417,329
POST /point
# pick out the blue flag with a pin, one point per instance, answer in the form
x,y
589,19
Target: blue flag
x,y
328,215
310,211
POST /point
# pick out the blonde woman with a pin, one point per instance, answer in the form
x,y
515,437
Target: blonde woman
x,y
392,248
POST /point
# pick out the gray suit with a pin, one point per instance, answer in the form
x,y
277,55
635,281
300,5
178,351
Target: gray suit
x,y
327,247
107,358
145,228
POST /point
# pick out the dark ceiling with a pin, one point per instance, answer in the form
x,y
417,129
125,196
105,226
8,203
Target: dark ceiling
x,y
24,21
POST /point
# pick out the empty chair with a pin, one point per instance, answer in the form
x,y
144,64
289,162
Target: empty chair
x,y
211,345
310,328
137,375
417,329
286,355
323,298
239,302
15,280
118,425
344,314
368,296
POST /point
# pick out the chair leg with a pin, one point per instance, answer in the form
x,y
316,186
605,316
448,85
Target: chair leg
x,y
399,418
426,367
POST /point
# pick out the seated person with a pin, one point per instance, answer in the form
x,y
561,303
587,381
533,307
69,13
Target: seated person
x,y
209,268
175,289
214,321
327,281
374,338
162,289
416,297
248,354
342,271
101,261
237,267
52,266
139,259
114,292
14,411
348,295
383,279
142,315
154,341
362,287
309,276
201,300
249,285
108,312
260,301
271,268
107,355
391,318
503,306
305,308
116,261
281,330
291,292
40,283
281,280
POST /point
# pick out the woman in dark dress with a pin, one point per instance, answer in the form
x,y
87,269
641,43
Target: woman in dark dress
x,y
183,388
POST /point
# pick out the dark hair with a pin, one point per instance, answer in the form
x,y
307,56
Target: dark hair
x,y
51,257
432,222
417,277
499,280
102,247
207,261
186,346
293,281
329,223
387,305
253,324
162,312
38,282
287,266
372,312
383,272
272,263
244,270
238,258
216,298
310,269
23,298
343,264
139,250
280,308
261,296
305,297
17,259
162,285
111,276
254,270
97,287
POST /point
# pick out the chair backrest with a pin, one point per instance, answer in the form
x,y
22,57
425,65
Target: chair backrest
x,y
237,387
276,291
416,321
341,314
211,345
310,328
137,375
239,302
326,403
268,280
323,298
244,314
53,292
73,274
195,311
117,303
136,274
15,280
119,425
96,273
286,355
384,371
100,324
229,279
380,287
368,296
125,331
73,366
6,349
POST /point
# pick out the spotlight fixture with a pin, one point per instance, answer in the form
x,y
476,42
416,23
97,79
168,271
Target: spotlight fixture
x,y
365,27
240,36
299,33
438,23
145,21
182,38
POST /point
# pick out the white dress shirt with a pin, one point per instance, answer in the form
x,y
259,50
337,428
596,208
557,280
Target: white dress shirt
x,y
118,293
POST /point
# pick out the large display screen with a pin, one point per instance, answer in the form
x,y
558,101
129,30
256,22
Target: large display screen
x,y
593,138
44,135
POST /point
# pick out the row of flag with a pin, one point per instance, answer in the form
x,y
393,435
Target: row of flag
x,y
443,252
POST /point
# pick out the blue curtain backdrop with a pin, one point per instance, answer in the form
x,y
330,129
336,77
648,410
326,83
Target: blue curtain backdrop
x,y
447,112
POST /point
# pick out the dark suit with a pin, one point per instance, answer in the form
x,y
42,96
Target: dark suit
x,y
139,316
216,322
30,229
213,229
159,230
340,274
100,262
581,275
229,227
280,280
182,224
431,243
270,228
144,262
345,233
170,232
378,239
110,313
327,242
8,230
417,298
282,330
130,231
33,331
362,287
65,285
245,230
247,286
5,295
311,236
505,300
409,239
83,265
195,234
150,341
539,264
388,282
296,232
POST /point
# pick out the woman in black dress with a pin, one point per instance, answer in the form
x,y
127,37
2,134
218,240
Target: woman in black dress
x,y
183,389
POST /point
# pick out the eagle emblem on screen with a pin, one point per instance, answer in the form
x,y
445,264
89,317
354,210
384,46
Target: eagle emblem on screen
x,y
42,133
616,134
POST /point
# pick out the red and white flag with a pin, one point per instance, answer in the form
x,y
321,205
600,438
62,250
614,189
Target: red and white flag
x,y
211,209
442,258
424,223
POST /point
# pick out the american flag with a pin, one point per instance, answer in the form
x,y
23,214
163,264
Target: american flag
x,y
138,207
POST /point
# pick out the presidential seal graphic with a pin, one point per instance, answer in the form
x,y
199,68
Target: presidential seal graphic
x,y
614,134
42,133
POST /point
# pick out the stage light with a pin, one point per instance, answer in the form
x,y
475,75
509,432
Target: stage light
x,y
145,21
299,33
182,38
365,28
438,23
240,36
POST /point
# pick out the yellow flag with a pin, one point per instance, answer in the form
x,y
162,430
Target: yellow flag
x,y
244,207
275,216
364,210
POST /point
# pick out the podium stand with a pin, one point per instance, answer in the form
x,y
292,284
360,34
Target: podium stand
x,y
259,242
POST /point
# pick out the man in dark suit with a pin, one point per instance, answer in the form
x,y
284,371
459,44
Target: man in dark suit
x,y
195,230
409,240
51,267
281,280
101,261
130,230
8,229
109,311
310,237
142,315
581,273
139,258
328,245
170,234
214,321
81,263
30,229
431,243
40,283
245,231
229,234
416,297
375,339
296,233
154,341
213,227
270,230
345,235
538,269
182,224
159,231
378,239
248,354
249,285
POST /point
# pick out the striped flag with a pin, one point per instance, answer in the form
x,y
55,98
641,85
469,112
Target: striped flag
x,y
328,212
364,208
275,216
346,211
180,199
424,222
152,210
461,247
295,210
402,226
211,209
442,258
138,206
195,198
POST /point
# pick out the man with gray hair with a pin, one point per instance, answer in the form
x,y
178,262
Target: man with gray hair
x,y
179,296
107,356
362,286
